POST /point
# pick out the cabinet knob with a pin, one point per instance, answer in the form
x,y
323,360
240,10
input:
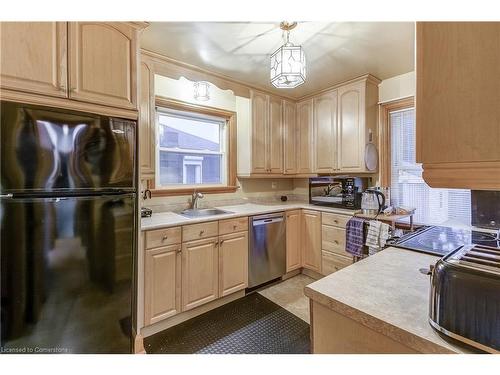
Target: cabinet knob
x,y
221,242
201,232
164,238
235,226
336,221
179,250
337,242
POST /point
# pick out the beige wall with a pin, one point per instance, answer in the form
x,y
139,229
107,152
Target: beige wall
x,y
397,87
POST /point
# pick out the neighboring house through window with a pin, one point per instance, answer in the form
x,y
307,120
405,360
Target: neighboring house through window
x,y
192,150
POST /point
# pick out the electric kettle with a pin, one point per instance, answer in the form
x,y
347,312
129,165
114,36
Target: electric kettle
x,y
372,202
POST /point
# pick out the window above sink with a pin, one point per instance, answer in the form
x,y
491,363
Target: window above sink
x,y
195,148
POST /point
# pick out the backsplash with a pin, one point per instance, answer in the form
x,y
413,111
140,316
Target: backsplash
x,y
485,208
250,191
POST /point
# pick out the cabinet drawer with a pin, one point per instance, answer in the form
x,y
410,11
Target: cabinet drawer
x,y
199,231
333,239
334,219
163,237
332,262
233,225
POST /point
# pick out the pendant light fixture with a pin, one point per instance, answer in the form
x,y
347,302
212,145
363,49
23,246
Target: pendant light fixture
x,y
288,63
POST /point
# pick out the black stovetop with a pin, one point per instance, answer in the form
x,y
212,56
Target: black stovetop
x,y
443,240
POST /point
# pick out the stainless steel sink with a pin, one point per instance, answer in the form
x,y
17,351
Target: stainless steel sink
x,y
204,212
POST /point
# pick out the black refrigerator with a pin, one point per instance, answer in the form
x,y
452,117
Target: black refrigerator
x,y
68,229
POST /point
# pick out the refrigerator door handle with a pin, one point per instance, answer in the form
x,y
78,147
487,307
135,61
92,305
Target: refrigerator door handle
x,y
6,195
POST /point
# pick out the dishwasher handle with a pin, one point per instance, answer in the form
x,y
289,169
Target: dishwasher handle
x,y
265,221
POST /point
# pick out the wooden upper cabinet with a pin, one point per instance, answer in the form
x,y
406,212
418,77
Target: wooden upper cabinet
x,y
147,128
275,143
162,293
351,124
267,134
259,132
233,263
289,138
200,272
33,57
293,240
305,137
458,104
325,132
103,59
311,240
357,123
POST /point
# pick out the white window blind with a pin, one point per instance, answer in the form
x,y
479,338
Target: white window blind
x,y
433,206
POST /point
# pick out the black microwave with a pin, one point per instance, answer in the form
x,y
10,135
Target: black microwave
x,y
339,192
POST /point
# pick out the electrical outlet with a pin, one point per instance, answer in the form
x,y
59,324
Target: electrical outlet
x,y
274,185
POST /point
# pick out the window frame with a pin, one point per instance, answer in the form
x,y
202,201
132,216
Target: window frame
x,y
229,157
385,135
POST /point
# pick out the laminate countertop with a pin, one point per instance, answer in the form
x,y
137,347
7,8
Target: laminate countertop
x,y
172,219
387,293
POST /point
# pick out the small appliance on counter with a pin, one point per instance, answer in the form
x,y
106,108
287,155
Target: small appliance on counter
x,y
146,212
338,192
465,298
373,201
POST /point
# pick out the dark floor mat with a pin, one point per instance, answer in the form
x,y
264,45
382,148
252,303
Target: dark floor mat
x,y
250,325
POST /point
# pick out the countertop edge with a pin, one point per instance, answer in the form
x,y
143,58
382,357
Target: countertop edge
x,y
269,209
398,334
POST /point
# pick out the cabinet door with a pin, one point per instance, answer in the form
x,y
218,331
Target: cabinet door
x,y
162,273
103,59
458,111
325,132
147,122
311,240
200,272
289,137
233,263
293,243
304,137
351,127
33,57
259,133
275,142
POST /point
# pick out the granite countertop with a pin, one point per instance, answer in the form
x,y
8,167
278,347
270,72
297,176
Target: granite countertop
x,y
387,293
171,219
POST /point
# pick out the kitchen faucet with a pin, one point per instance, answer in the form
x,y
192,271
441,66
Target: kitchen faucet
x,y
194,200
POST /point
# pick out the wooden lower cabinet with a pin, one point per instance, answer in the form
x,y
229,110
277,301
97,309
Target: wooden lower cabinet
x,y
200,272
162,294
293,229
233,263
311,240
332,262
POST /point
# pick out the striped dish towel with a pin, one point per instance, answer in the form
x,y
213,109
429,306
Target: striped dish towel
x,y
376,236
354,236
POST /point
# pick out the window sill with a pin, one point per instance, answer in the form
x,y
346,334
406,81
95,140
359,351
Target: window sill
x,y
189,191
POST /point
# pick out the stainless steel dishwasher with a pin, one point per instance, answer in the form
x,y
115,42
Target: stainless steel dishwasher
x,y
267,250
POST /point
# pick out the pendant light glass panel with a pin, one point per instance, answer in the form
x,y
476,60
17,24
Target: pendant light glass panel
x,y
288,67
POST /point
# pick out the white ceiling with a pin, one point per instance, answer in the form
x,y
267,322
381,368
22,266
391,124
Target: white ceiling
x,y
334,52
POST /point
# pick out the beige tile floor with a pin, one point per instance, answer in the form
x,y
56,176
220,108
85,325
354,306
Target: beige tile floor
x,y
289,294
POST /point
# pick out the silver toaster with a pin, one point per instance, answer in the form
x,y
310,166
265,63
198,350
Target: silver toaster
x,y
465,297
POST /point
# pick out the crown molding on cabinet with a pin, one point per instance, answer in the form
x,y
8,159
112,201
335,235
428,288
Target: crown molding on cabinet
x,y
368,77
175,69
